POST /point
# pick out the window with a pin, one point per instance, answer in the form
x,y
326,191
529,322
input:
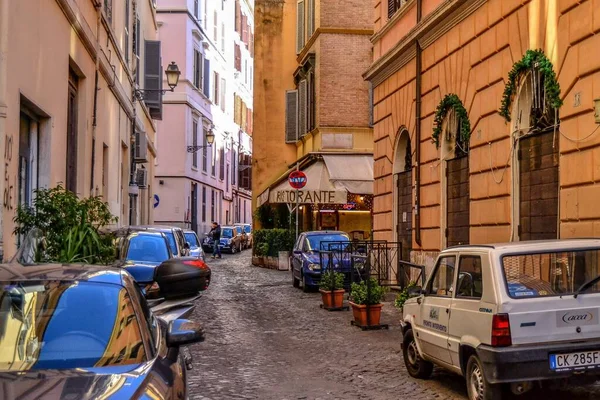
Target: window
x,y
227,179
137,38
195,143
126,32
300,27
234,162
108,10
238,16
223,37
148,248
245,71
470,280
216,27
197,9
237,52
198,64
105,172
204,151
251,80
216,89
394,5
223,90
206,15
441,282
28,146
72,133
203,203
213,171
222,163
213,205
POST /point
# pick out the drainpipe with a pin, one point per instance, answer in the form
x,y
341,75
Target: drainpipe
x,y
418,132
132,186
96,89
3,105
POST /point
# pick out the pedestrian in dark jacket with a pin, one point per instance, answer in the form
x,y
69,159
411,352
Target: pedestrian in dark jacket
x,y
215,234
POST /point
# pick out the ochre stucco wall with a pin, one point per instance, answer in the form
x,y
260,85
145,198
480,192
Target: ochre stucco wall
x,y
473,60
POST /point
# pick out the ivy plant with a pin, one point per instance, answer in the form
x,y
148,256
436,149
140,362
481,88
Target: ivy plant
x,y
449,102
532,59
69,225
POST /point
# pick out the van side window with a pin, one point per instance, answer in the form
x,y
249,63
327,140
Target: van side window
x,y
441,283
470,280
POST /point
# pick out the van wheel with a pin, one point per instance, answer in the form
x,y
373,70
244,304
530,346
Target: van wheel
x,y
415,365
478,387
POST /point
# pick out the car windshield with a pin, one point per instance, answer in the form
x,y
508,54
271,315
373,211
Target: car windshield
x,y
227,233
322,242
247,229
67,325
551,274
191,239
172,242
149,248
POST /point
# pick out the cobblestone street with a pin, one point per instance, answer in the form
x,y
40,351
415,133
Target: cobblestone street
x,y
267,340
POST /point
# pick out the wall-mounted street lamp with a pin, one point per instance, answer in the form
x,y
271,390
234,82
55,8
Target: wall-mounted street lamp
x,y
210,139
172,73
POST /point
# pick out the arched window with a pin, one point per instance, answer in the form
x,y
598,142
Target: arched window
x,y
452,132
532,95
403,189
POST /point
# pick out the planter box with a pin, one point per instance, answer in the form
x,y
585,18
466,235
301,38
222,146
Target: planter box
x,y
335,301
258,261
360,314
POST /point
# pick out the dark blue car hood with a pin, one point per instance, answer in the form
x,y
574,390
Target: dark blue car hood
x,y
123,382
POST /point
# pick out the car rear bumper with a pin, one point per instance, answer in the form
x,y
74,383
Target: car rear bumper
x,y
531,362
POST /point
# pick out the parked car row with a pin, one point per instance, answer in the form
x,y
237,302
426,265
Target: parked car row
x,y
234,239
87,332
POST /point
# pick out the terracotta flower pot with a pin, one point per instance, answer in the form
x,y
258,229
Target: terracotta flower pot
x,y
338,298
360,314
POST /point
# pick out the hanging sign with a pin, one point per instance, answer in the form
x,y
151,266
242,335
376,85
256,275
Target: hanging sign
x,y
297,179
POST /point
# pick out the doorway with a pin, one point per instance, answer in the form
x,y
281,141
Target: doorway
x,y
194,197
404,193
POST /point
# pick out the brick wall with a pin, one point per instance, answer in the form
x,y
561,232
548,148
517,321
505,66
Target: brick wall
x,y
343,94
357,14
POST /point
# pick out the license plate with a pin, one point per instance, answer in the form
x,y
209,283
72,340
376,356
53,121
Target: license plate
x,y
575,361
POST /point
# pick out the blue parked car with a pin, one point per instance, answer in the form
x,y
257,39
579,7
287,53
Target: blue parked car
x,y
311,257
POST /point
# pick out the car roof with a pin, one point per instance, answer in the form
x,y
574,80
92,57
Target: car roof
x,y
316,233
532,245
63,272
189,231
156,227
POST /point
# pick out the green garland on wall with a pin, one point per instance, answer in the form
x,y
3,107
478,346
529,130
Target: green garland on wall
x,y
451,101
532,58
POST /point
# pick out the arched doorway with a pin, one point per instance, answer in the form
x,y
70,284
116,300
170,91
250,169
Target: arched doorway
x,y
534,117
403,192
452,132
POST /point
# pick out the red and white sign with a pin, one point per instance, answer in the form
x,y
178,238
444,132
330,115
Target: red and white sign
x,y
297,179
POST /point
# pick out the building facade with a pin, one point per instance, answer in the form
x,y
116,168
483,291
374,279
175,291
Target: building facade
x,y
68,72
484,121
313,111
197,182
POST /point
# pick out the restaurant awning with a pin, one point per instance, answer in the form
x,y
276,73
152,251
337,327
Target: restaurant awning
x,y
329,180
353,173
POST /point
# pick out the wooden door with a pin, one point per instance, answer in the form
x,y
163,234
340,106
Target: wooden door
x,y
457,201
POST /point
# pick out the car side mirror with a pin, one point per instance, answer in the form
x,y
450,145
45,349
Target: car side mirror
x,y
297,251
183,332
415,291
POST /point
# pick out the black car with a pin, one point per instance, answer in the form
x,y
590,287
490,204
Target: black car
x,y
87,332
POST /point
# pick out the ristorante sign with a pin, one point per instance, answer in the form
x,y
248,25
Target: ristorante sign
x,y
309,196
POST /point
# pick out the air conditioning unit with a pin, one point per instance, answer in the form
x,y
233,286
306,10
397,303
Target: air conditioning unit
x,y
141,178
141,148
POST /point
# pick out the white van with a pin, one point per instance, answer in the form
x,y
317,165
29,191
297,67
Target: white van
x,y
508,316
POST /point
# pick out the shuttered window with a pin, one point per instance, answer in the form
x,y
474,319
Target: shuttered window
x,y
153,78
244,29
223,91
311,18
198,64
206,76
126,31
216,97
291,116
251,45
302,107
108,10
238,17
394,5
195,143
237,57
222,163
300,27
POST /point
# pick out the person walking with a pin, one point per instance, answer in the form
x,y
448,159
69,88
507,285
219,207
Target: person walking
x,y
215,234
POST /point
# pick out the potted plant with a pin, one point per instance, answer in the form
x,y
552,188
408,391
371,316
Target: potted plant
x,y
332,290
365,299
403,296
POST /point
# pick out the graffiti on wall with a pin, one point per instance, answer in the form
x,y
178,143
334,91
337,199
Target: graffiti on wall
x,y
8,188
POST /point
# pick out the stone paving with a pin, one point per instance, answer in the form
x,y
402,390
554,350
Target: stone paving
x,y
267,340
